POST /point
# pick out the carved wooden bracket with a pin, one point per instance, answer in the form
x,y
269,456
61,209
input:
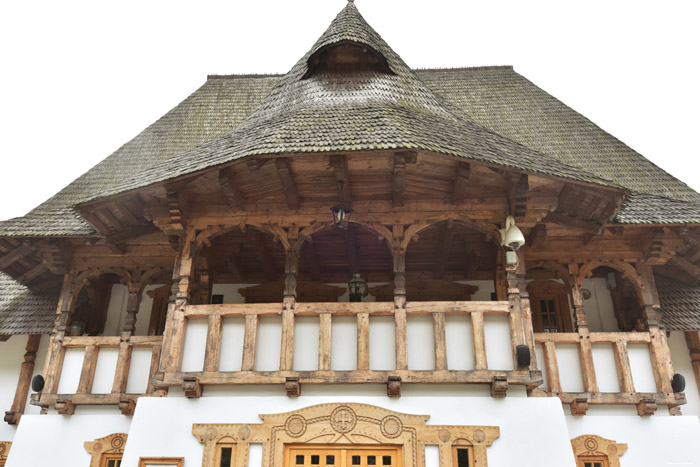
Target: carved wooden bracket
x,y
344,424
192,387
393,386
499,386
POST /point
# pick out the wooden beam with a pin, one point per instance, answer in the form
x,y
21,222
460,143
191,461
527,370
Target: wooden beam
x,y
399,181
459,187
573,223
401,158
443,253
685,265
135,232
342,177
289,186
113,223
117,208
537,236
229,188
15,255
518,197
23,383
178,209
256,242
32,273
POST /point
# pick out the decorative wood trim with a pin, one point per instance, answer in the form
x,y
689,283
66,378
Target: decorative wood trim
x,y
176,461
354,424
592,445
25,377
110,444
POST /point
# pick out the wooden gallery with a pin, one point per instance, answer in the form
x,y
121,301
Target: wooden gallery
x,y
356,264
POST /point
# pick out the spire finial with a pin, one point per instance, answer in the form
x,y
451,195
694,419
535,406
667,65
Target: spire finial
x,y
351,1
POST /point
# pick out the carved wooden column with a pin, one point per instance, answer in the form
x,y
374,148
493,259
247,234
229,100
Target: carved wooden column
x,y
658,347
25,377
399,267
525,309
175,324
585,350
692,339
121,373
288,306
56,351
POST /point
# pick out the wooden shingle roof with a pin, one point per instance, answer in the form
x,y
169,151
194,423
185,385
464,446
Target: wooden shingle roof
x,y
23,311
490,114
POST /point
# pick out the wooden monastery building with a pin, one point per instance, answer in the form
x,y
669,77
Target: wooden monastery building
x,y
356,264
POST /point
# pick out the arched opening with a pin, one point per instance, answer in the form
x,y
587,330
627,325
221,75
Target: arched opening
x,y
611,301
95,312
332,256
451,261
240,265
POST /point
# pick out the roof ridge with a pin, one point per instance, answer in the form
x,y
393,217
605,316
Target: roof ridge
x,y
245,75
467,68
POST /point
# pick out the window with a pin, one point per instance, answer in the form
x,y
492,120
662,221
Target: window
x,y
225,455
107,451
462,456
111,460
550,306
594,451
597,461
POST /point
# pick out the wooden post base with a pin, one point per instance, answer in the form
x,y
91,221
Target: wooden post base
x,y
499,387
393,386
192,387
292,387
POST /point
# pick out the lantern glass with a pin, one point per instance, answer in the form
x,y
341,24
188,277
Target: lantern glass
x,y
341,215
357,287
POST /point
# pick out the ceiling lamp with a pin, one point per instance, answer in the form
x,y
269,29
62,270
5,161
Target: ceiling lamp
x,y
341,215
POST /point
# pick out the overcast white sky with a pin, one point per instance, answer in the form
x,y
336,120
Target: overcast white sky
x,y
81,78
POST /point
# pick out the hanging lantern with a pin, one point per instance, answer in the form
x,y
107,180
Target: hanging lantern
x,y
341,215
357,287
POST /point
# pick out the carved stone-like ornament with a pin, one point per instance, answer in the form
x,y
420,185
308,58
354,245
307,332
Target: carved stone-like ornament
x,y
295,426
444,435
479,436
591,444
343,419
391,426
244,433
211,433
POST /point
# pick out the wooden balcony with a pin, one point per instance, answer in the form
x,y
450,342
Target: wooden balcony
x,y
92,345
498,378
646,402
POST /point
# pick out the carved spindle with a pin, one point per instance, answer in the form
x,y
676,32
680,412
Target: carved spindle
x,y
480,362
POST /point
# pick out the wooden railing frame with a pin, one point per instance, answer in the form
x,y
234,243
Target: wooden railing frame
x,y
646,402
66,403
215,314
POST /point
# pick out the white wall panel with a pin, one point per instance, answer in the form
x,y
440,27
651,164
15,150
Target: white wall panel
x,y
344,343
195,345
232,333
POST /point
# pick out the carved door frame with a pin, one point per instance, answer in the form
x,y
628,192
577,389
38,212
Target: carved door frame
x,y
349,424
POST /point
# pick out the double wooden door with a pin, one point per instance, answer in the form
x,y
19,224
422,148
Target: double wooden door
x,y
342,456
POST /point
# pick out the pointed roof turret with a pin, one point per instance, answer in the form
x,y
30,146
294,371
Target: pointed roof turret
x,y
352,92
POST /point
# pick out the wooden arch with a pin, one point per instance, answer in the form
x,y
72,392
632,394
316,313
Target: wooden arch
x,y
489,230
626,270
204,237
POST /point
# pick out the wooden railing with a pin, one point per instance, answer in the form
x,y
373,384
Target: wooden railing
x,y
646,402
66,403
193,381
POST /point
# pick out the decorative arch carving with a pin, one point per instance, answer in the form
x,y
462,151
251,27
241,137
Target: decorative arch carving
x,y
626,270
596,446
110,444
351,423
490,230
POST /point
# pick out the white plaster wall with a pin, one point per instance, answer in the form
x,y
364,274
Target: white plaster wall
x,y
163,426
680,357
12,352
57,440
599,308
651,441
116,311
143,316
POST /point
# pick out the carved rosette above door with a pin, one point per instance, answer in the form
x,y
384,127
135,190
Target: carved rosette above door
x,y
357,424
